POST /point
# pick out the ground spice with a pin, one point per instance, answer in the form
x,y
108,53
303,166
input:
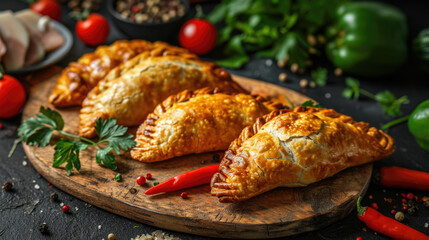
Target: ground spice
x,y
133,190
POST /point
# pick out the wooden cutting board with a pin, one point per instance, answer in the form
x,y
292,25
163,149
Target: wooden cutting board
x,y
280,212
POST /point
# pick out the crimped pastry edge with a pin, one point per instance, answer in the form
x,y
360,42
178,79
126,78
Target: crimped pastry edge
x,y
385,142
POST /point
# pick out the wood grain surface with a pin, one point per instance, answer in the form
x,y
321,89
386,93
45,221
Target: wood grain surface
x,y
280,212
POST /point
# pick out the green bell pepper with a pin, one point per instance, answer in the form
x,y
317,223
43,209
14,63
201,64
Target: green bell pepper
x,y
369,38
418,124
421,49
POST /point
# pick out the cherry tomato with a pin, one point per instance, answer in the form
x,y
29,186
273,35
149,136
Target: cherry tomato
x,y
94,30
12,96
49,8
198,36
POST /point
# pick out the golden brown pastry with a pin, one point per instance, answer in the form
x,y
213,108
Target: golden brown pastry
x,y
136,91
294,148
80,77
198,121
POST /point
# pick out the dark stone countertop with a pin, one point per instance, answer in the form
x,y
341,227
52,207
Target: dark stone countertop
x,y
24,209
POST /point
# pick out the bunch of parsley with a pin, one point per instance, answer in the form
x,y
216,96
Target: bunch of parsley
x,y
272,28
38,132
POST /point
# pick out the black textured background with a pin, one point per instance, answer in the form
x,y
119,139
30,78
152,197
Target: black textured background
x,y
24,209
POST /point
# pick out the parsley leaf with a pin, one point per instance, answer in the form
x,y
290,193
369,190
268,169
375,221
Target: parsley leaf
x,y
389,103
353,88
320,75
114,134
105,158
310,103
68,151
38,131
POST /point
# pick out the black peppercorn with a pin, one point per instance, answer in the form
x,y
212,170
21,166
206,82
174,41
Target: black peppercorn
x,y
43,228
7,186
54,196
216,157
426,203
411,210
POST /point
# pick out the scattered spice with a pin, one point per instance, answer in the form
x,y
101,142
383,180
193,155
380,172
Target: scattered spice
x,y
426,203
426,225
411,210
294,68
203,161
148,176
281,64
374,205
312,84
338,72
150,11
43,228
410,196
184,195
399,216
118,177
282,77
111,236
303,83
1,126
393,212
133,190
404,200
364,229
359,238
141,180
158,234
404,208
370,197
66,208
389,200
7,186
216,157
54,197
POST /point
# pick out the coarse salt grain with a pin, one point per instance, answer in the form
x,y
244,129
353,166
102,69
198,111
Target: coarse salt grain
x,y
99,227
76,208
61,204
24,163
269,62
426,225
37,186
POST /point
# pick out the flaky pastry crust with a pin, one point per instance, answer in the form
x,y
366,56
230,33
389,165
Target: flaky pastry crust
x,y
80,77
136,91
294,148
198,121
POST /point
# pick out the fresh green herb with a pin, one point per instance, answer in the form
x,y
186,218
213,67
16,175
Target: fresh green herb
x,y
310,103
386,99
320,75
272,28
38,132
118,177
395,122
155,183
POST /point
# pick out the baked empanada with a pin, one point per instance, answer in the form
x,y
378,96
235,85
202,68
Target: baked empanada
x,y
136,92
294,148
197,121
80,77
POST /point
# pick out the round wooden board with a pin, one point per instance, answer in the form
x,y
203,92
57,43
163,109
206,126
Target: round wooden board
x,y
278,213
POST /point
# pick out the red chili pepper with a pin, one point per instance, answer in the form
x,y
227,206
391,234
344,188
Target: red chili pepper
x,y
386,225
397,177
185,180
